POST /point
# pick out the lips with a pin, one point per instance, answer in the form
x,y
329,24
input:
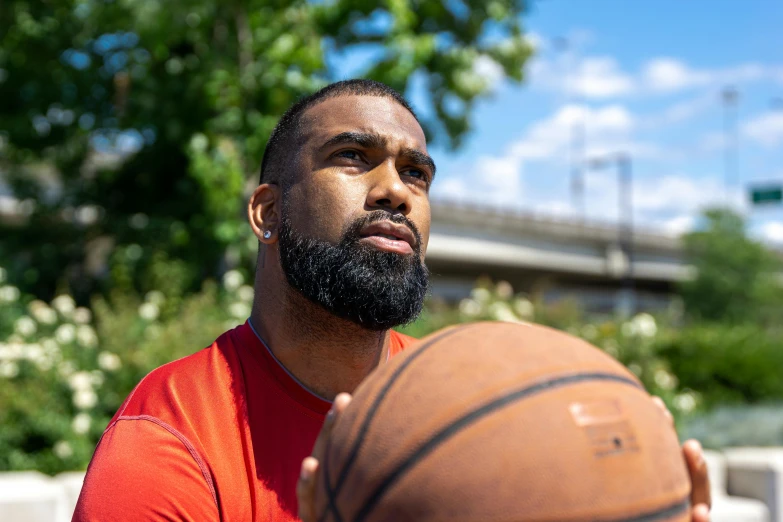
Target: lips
x,y
391,231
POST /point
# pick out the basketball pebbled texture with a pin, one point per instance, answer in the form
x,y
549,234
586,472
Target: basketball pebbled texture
x,y
502,422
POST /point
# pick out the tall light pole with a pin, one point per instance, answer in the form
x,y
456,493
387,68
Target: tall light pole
x,y
626,305
576,131
729,97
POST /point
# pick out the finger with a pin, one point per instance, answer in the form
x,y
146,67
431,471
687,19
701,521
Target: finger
x,y
700,513
305,489
697,468
662,405
338,406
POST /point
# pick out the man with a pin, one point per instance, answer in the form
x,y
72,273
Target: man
x,y
342,216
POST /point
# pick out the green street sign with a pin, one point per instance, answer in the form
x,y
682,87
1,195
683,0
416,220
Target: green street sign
x,y
767,195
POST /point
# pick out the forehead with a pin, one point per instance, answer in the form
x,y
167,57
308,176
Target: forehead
x,y
371,114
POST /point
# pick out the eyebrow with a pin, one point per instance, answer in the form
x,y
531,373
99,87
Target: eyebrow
x,y
367,140
417,157
370,140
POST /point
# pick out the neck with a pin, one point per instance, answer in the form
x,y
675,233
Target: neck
x,y
328,355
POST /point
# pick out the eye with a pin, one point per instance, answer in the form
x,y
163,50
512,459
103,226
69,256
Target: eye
x,y
418,174
348,154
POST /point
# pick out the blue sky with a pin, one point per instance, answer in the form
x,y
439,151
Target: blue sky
x,y
639,76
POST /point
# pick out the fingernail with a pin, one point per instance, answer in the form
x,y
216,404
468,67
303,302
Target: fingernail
x,y
305,473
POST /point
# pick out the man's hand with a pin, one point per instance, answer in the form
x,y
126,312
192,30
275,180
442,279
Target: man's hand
x,y
305,488
697,468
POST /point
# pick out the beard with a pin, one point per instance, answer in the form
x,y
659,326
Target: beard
x,y
374,289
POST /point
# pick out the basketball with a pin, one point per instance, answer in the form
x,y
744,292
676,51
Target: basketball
x,y
492,422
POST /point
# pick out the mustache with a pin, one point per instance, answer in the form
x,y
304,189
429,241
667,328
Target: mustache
x,y
352,234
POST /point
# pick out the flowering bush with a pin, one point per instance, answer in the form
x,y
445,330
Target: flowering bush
x,y
65,370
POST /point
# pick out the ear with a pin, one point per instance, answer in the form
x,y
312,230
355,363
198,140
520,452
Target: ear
x,y
263,212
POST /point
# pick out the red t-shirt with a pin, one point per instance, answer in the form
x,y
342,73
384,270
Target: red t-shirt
x,y
217,435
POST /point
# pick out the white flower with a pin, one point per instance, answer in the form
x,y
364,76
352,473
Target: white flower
x,y
232,280
153,331
664,379
644,325
85,399
66,369
109,361
685,402
97,378
62,449
64,304
481,295
611,347
149,311
86,336
524,308
628,329
9,294
36,355
65,333
81,423
589,331
3,274
80,381
501,312
9,369
239,310
25,326
246,293
82,315
42,312
155,297
469,307
504,290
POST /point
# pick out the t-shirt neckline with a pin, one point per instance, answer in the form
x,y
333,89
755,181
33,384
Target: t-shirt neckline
x,y
291,385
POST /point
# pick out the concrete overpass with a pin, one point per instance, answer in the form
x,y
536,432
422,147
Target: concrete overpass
x,y
555,257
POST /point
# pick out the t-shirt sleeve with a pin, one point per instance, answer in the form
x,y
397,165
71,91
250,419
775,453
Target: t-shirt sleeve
x,y
146,470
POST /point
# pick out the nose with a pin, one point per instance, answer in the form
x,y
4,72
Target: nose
x,y
387,189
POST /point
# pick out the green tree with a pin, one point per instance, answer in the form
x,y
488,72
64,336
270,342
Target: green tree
x,y
737,278
134,127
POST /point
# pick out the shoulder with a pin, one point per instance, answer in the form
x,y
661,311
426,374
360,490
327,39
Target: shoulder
x,y
193,383
146,470
400,341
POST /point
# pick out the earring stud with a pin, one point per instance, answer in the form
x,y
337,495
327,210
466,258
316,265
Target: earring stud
x,y
267,234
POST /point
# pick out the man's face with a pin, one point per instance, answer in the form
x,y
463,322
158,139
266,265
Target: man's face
x,y
356,215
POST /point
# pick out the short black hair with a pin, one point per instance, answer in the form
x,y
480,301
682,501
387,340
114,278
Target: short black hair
x,y
282,137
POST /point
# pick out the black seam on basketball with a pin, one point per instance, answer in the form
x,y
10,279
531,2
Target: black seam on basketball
x,y
475,415
331,493
331,506
654,516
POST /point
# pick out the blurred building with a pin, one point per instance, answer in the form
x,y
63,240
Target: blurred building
x,y
551,257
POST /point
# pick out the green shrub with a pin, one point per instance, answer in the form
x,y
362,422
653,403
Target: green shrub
x,y
64,373
731,363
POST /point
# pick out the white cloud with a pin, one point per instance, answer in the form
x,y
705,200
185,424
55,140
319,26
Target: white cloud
x,y
594,77
549,138
497,181
765,129
669,74
601,77
680,111
676,193
773,231
679,225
